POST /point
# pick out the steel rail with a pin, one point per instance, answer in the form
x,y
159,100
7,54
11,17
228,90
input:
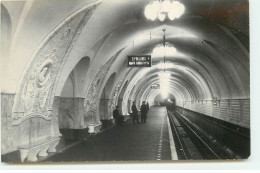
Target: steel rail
x,y
198,137
175,131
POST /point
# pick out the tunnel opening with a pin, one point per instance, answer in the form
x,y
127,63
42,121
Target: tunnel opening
x,y
170,100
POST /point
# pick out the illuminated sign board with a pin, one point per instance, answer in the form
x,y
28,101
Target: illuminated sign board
x,y
155,86
139,61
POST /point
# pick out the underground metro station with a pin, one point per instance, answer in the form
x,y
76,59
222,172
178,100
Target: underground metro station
x,y
176,72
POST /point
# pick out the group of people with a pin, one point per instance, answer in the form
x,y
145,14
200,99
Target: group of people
x,y
144,111
119,119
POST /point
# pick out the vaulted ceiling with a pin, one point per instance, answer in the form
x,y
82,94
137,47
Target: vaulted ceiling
x,y
211,39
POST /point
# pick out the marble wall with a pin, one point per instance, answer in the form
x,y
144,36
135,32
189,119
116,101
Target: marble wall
x,y
55,129
104,109
71,113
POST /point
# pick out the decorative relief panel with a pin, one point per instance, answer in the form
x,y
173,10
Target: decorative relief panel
x,y
91,103
115,95
34,97
36,89
127,102
130,88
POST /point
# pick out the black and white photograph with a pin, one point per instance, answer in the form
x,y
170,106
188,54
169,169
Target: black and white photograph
x,y
125,81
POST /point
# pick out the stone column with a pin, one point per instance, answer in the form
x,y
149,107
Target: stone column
x,y
129,103
55,118
71,118
105,113
120,101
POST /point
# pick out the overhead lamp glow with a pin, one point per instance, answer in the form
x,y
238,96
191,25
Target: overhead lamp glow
x,y
166,6
163,8
168,50
158,51
165,66
164,92
161,16
179,8
164,78
164,75
151,10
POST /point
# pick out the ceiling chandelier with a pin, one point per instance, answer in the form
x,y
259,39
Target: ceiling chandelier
x,y
167,50
163,8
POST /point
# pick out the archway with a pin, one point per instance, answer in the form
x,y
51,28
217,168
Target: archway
x,y
70,110
121,100
6,32
104,111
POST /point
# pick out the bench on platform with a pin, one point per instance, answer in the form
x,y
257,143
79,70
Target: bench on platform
x,y
40,148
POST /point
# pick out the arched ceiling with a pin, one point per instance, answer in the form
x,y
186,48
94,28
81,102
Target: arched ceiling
x,y
211,60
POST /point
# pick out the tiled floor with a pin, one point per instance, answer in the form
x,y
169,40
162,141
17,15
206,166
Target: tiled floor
x,y
139,142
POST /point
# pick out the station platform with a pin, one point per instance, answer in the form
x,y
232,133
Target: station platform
x,y
150,141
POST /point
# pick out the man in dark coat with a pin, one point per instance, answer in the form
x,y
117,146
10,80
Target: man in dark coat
x,y
119,119
134,113
143,112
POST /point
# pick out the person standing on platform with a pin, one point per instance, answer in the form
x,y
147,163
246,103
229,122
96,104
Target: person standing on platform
x,y
119,119
143,112
135,113
147,106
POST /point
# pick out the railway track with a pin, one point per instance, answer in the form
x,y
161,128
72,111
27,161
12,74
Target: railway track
x,y
190,145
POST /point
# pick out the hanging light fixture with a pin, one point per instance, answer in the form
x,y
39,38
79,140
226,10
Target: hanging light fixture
x,y
167,50
164,77
162,8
